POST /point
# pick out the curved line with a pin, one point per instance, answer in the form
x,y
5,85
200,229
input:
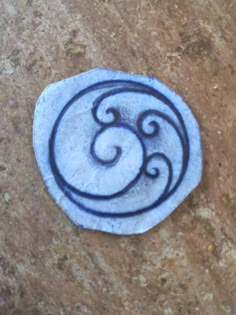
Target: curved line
x,y
154,133
110,162
65,186
157,113
170,170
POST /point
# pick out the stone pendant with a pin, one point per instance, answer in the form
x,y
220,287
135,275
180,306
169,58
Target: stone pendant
x,y
118,152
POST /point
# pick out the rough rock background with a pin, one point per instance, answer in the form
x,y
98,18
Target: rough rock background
x,y
185,265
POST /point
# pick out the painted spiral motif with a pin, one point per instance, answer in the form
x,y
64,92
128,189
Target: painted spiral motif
x,y
129,151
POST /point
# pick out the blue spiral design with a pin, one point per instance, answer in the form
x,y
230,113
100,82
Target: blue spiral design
x,y
114,120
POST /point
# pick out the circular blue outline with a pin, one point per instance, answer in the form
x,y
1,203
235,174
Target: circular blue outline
x,y
122,86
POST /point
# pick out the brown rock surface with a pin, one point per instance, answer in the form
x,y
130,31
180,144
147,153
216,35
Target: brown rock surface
x,y
185,265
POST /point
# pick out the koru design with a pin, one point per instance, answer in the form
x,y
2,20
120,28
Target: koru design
x,y
118,152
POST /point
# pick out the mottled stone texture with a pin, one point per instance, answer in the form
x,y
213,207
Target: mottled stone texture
x,y
187,264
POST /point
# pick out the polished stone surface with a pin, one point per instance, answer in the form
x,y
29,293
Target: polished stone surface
x,y
117,151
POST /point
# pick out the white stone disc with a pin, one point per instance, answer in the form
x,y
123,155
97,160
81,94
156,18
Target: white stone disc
x,y
118,152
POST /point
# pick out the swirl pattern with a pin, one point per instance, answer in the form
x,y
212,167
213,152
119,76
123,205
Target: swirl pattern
x,y
130,141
